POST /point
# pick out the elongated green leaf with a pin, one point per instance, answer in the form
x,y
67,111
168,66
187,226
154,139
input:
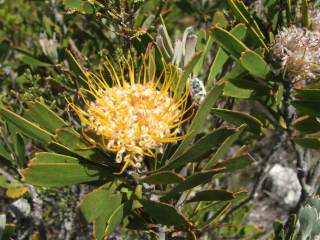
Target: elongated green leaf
x,y
73,141
2,224
312,95
73,4
98,202
307,218
307,124
278,229
29,129
205,51
288,11
186,73
4,153
212,195
239,31
32,61
229,42
164,177
191,182
244,88
115,219
117,216
307,107
305,13
56,170
4,50
75,66
20,150
242,14
44,117
164,213
225,146
235,163
200,148
48,157
239,118
255,64
314,202
199,119
308,142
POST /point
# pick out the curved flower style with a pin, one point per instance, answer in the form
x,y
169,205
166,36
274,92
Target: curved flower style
x,y
135,114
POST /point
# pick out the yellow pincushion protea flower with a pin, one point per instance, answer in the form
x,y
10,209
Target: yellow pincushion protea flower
x,y
135,114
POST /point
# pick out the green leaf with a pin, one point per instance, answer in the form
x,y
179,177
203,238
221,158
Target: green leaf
x,y
4,49
307,107
243,15
76,4
308,142
73,141
255,64
9,230
232,90
244,88
225,146
212,195
239,118
101,201
219,18
288,11
239,31
199,119
292,223
19,148
32,61
229,42
235,163
2,224
278,230
305,13
56,170
75,67
191,182
205,51
200,148
186,73
44,117
4,183
4,153
29,129
164,213
116,217
164,177
307,124
314,202
87,8
312,95
307,218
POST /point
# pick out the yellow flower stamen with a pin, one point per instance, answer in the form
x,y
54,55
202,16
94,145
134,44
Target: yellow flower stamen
x,y
133,117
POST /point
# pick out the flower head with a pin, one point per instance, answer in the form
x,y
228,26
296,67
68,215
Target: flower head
x,y
298,51
135,114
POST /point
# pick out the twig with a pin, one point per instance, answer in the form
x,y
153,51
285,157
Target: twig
x,y
257,184
301,165
37,213
313,180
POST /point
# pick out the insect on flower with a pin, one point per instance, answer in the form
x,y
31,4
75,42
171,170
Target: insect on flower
x,y
136,114
197,90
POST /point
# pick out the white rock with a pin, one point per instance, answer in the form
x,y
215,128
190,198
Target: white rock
x,y
285,184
